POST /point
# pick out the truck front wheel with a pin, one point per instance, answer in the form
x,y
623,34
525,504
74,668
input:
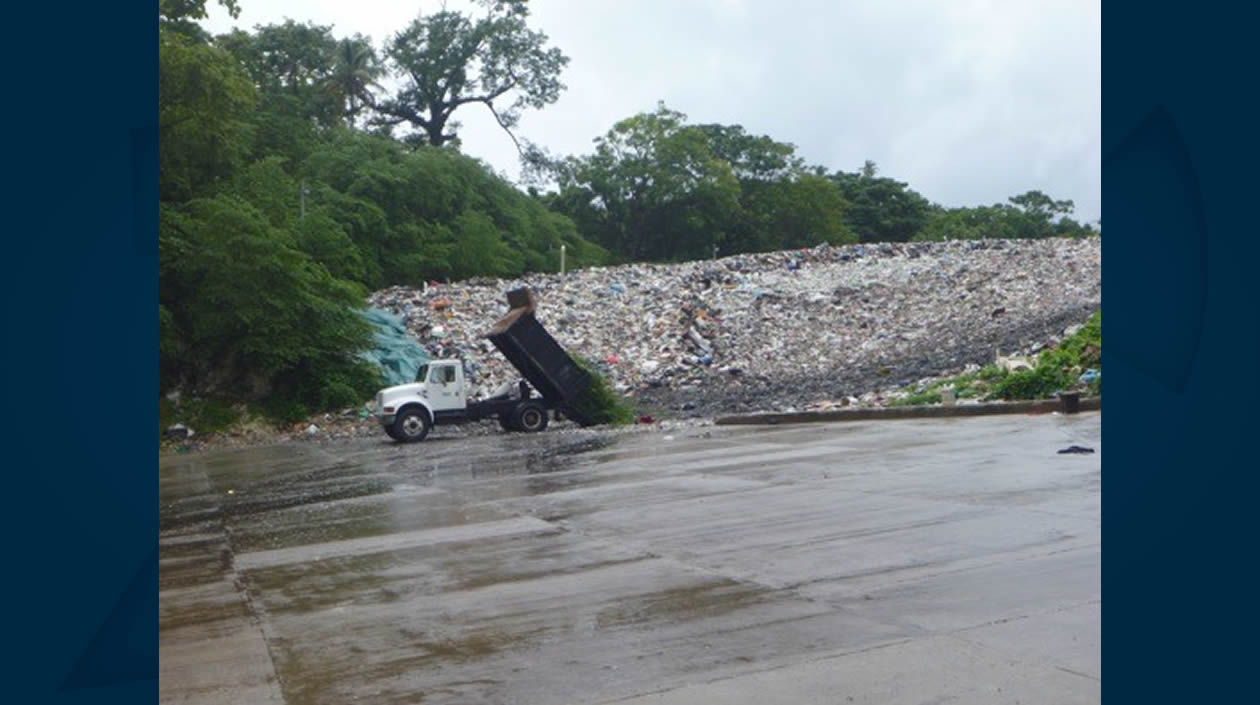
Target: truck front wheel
x,y
411,425
531,417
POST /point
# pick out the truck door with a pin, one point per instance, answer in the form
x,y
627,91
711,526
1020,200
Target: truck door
x,y
446,387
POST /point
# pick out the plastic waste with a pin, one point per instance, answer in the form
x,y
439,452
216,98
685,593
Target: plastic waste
x,y
395,350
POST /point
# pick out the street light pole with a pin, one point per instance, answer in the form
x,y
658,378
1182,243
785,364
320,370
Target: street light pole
x,y
302,206
562,260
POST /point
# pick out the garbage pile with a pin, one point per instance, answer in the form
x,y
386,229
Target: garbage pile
x,y
777,330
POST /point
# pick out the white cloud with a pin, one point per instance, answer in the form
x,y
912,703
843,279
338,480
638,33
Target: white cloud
x,y
969,101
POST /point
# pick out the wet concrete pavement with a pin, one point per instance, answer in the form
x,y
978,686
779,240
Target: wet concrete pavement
x,y
930,561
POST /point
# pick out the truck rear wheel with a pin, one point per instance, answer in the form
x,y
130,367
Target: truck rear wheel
x,y
411,425
531,417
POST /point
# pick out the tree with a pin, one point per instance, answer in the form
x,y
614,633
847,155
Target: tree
x,y
658,188
882,209
248,303
448,60
354,74
192,9
180,16
752,157
204,102
653,189
1030,215
291,65
1041,206
801,210
782,204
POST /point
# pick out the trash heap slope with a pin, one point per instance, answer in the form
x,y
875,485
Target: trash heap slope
x,y
771,330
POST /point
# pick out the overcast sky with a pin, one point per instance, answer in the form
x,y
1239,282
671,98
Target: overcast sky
x,y
970,101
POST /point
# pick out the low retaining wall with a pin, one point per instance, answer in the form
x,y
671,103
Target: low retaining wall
x,y
935,411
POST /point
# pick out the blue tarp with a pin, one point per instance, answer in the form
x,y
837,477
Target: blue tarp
x,y
396,352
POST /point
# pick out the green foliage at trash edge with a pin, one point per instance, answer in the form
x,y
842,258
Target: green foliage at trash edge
x,y
1057,369
202,415
600,402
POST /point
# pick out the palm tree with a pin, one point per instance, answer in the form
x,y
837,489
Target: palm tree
x,y
354,74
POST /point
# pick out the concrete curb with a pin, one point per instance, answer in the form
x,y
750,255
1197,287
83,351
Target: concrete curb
x,y
1042,406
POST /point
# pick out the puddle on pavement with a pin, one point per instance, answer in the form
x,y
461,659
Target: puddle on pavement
x,y
305,682
711,599
310,587
210,616
244,503
189,571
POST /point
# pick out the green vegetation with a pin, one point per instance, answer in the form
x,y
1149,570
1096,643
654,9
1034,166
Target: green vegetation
x,y
657,188
1057,369
278,213
600,403
971,385
1028,216
201,415
293,182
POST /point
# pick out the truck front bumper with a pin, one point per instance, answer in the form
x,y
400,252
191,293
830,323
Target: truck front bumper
x,y
386,420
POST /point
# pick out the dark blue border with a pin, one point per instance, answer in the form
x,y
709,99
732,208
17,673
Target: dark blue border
x,y
1180,268
80,286
1180,261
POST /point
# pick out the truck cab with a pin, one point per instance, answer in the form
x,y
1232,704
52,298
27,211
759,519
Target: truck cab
x,y
438,392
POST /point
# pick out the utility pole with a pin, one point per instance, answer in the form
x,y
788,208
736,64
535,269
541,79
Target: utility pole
x,y
302,207
562,260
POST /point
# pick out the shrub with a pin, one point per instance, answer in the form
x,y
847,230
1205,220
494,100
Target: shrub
x,y
600,403
283,411
1058,368
201,415
1038,383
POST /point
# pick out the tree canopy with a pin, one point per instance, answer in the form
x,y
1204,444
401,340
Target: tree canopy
x,y
1027,216
285,196
447,60
659,188
277,214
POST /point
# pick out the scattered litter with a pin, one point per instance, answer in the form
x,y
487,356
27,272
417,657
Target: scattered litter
x,y
1077,450
1014,364
312,430
179,432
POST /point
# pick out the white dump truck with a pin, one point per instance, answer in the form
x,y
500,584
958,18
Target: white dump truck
x,y
439,394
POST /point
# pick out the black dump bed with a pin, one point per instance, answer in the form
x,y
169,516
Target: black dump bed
x,y
538,357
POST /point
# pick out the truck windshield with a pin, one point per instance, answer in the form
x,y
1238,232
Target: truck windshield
x,y
422,373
